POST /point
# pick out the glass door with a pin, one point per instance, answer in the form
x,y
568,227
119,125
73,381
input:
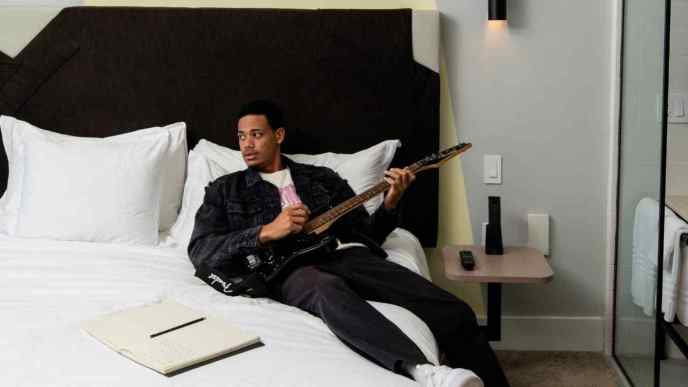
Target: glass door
x,y
639,188
672,361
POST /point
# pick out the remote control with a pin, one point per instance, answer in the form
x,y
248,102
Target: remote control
x,y
467,260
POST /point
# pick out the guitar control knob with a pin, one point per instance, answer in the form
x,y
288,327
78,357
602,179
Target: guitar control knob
x,y
253,261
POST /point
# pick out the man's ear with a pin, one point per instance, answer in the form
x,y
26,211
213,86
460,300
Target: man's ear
x,y
279,134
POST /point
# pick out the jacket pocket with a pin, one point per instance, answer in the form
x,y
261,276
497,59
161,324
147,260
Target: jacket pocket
x,y
244,214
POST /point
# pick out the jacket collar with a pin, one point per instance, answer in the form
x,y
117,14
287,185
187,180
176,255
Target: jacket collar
x,y
253,176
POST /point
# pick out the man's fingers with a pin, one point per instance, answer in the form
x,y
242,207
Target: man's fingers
x,y
397,175
406,176
393,178
399,178
394,173
298,219
298,212
302,207
299,206
400,174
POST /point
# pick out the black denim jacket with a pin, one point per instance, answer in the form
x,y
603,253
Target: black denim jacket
x,y
237,205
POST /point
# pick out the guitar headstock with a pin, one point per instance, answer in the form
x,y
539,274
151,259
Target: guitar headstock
x,y
437,159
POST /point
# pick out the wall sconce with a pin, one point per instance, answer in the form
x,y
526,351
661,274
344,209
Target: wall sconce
x,y
496,10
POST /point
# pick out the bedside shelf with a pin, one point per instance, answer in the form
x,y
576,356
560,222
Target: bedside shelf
x,y
516,265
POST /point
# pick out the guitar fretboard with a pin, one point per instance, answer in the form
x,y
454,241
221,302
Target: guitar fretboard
x,y
350,204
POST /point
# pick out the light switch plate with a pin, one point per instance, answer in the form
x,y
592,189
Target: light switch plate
x,y
492,169
677,107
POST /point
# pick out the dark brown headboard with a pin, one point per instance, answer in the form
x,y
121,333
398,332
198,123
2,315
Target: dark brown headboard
x,y
345,78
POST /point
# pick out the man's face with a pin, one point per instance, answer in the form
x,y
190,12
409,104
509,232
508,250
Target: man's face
x,y
258,142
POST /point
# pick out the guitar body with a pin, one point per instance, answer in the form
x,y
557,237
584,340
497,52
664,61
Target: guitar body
x,y
260,271
294,251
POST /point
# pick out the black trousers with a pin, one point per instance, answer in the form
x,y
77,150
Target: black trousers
x,y
336,289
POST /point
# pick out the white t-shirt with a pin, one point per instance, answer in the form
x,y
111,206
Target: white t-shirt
x,y
282,180
288,196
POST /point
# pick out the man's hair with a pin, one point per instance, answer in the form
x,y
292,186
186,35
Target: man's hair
x,y
265,108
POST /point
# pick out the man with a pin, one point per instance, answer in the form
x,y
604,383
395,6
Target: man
x,y
246,211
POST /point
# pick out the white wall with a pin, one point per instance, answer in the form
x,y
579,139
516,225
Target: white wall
x,y
18,25
538,92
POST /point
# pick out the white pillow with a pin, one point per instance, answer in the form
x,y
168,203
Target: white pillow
x,y
174,167
201,172
228,158
362,170
90,190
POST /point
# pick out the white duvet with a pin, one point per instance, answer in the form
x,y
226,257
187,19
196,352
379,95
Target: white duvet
x,y
47,288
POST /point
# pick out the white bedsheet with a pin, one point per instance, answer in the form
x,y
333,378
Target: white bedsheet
x,y
47,288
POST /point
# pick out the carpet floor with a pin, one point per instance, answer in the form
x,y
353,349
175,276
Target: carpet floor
x,y
557,369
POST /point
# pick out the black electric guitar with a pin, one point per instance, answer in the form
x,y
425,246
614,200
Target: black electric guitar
x,y
313,239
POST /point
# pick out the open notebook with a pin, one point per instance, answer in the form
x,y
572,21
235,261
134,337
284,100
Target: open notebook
x,y
160,337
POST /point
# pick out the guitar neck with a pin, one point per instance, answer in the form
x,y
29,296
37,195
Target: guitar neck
x,y
350,204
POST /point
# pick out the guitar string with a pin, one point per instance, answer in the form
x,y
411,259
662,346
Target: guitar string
x,y
355,201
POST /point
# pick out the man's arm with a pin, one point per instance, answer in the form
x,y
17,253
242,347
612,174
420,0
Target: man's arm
x,y
213,242
216,244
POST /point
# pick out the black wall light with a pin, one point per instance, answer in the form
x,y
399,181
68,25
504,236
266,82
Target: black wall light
x,y
496,10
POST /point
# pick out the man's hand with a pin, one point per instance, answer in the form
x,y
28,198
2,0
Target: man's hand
x,y
289,221
399,180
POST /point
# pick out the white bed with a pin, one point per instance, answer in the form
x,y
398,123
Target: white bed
x,y
48,287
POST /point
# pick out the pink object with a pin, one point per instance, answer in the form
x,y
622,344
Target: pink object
x,y
288,196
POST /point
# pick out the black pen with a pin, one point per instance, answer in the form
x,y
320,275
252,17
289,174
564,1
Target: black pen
x,y
177,327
